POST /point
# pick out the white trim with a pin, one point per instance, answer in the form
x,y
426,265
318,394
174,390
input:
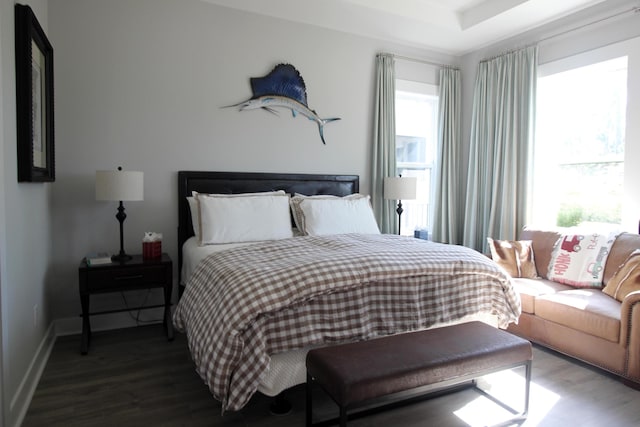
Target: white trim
x,y
631,49
22,399
60,327
588,58
416,87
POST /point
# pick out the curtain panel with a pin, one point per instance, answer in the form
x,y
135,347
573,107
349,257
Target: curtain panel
x,y
447,222
502,130
384,140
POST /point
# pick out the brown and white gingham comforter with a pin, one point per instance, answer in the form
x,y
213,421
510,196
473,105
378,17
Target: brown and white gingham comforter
x,y
243,304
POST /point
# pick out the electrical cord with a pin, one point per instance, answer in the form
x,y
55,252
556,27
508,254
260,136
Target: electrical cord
x,y
136,318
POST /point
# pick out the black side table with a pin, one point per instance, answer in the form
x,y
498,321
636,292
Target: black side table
x,y
136,273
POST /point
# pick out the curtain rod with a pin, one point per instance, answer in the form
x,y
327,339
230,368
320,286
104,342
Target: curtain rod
x,y
421,61
507,52
634,9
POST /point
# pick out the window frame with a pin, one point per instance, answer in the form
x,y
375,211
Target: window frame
x,y
584,60
429,90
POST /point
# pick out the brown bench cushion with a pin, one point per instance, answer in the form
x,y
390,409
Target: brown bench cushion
x,y
356,372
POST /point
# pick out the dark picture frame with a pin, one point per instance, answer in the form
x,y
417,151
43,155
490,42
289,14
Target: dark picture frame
x,y
34,99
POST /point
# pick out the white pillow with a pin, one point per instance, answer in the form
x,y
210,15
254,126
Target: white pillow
x,y
338,216
298,217
195,209
245,218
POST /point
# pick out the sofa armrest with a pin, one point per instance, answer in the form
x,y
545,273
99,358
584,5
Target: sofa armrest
x,y
630,332
629,315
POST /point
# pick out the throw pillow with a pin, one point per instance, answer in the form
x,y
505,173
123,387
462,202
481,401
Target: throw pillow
x,y
297,199
239,219
323,217
578,260
626,279
516,257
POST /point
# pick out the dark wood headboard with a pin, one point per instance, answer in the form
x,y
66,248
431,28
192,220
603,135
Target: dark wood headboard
x,y
250,182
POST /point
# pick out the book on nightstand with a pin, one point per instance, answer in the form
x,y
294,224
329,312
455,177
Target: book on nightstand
x,y
98,258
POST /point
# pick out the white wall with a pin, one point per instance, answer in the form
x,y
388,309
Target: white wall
x,y
3,237
595,34
142,84
25,244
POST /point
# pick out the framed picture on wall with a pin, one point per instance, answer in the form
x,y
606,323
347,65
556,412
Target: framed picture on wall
x,y
34,99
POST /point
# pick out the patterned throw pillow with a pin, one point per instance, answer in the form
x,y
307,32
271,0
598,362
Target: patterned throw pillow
x,y
578,260
626,279
516,257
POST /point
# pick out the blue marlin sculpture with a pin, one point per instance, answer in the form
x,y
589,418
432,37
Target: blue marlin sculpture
x,y
283,87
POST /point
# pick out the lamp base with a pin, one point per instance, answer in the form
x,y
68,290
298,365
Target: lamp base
x,y
399,211
121,258
121,216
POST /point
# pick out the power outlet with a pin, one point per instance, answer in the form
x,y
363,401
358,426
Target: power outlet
x,y
35,315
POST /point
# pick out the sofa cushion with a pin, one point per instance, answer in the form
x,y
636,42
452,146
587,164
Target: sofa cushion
x,y
516,257
529,289
626,279
586,310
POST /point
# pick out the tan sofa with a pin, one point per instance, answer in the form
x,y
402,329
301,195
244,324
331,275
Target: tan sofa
x,y
586,324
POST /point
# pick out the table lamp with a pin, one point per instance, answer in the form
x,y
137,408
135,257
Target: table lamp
x,y
399,188
119,185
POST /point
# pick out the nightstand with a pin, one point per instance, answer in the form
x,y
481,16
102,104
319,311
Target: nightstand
x,y
136,273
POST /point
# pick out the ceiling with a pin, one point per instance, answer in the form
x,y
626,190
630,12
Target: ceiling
x,y
450,26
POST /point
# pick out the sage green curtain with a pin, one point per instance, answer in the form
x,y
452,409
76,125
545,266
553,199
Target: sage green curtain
x,y
447,221
384,142
502,130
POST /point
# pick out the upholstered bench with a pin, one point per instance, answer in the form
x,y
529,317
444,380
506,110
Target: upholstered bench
x,y
361,373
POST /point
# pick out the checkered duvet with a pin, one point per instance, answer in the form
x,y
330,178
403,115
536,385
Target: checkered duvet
x,y
243,304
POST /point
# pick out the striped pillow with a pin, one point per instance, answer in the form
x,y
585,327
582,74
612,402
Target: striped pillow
x,y
516,257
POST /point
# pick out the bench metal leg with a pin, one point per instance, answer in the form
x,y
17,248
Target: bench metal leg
x,y
309,408
518,416
343,416
527,387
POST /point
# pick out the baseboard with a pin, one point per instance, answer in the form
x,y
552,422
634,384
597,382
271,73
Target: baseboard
x,y
22,399
67,326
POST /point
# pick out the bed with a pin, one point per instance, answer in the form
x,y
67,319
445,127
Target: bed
x,y
251,310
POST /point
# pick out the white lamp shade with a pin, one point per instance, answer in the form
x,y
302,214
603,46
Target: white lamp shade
x,y
400,188
119,185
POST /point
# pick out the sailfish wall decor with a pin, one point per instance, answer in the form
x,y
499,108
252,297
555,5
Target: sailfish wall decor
x,y
283,87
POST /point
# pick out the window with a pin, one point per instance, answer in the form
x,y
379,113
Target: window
x,y
416,143
579,145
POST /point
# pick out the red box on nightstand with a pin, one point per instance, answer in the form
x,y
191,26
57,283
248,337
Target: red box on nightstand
x,y
152,250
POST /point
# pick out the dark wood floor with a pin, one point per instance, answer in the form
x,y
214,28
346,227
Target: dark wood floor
x,y
134,377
